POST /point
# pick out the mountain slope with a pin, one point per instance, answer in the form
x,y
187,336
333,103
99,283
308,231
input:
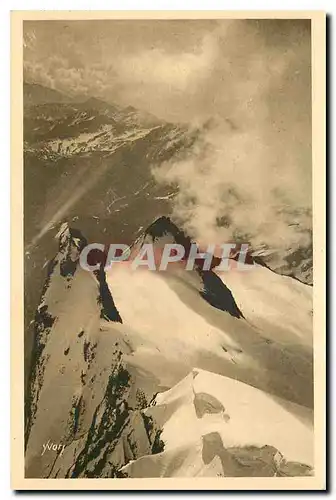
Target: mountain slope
x,y
229,429
235,392
82,396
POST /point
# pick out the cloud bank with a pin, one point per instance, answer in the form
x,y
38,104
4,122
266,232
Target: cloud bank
x,y
246,84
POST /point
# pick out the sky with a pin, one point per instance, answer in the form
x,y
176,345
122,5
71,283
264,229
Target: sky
x,y
248,81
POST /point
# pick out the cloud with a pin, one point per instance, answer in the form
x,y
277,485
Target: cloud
x,y
249,176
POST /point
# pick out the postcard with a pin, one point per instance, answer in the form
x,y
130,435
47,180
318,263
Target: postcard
x,y
168,250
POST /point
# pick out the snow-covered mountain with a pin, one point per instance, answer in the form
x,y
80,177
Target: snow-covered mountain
x,y
90,163
139,373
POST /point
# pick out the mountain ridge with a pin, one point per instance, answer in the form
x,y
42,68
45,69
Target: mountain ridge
x,y
108,414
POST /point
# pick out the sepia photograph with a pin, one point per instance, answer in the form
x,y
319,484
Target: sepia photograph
x,y
169,215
